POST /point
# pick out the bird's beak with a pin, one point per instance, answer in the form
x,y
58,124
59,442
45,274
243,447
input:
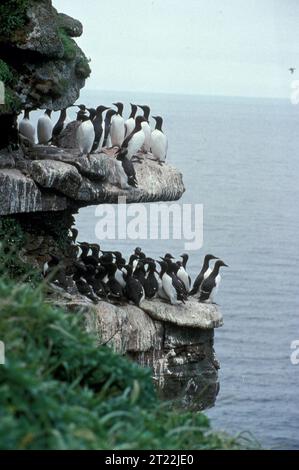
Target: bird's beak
x,y
226,265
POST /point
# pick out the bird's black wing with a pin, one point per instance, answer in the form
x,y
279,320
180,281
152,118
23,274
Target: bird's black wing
x,y
197,284
206,289
180,288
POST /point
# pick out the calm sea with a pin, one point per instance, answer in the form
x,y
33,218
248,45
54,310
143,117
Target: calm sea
x,y
240,159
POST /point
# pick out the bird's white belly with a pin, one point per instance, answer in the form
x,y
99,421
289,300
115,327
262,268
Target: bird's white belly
x,y
27,130
85,137
183,276
147,136
120,278
129,126
117,130
169,289
159,144
135,143
44,130
217,281
207,273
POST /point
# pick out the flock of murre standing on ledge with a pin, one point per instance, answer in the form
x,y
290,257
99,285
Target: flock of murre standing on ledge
x,y
98,274
112,131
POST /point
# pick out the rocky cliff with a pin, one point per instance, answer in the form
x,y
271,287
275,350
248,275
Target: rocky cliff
x,y
43,187
41,64
54,179
176,342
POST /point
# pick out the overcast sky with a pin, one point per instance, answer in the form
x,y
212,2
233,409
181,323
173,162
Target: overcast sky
x,y
209,47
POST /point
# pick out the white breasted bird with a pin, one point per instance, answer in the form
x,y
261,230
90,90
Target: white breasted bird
x,y
134,142
26,128
99,129
146,128
159,141
130,123
85,134
204,273
117,129
45,128
211,284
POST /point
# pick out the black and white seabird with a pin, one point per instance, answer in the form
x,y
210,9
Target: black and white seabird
x,y
146,128
292,69
134,291
134,142
85,134
173,288
84,288
26,128
204,273
60,125
114,287
152,281
99,129
107,138
117,129
182,273
210,285
44,128
130,123
159,141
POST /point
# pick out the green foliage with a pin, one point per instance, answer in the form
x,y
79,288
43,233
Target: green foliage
x,y
59,390
70,47
13,16
6,74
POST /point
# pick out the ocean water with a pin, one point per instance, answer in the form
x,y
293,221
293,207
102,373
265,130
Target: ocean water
x,y
240,159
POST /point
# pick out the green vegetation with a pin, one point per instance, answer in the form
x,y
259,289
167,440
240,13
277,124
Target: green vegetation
x,y
70,47
13,16
6,75
71,51
59,390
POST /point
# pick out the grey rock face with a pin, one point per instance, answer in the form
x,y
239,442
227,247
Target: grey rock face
x,y
42,35
56,175
60,179
192,313
180,355
71,26
48,66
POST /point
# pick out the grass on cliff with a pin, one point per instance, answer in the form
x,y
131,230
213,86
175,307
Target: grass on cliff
x,y
13,16
58,390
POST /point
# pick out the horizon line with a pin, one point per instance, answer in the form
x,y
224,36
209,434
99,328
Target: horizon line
x,y
208,95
